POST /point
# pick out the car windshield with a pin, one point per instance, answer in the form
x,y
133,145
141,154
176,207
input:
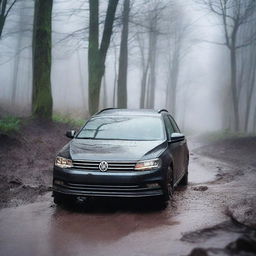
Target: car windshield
x,y
123,128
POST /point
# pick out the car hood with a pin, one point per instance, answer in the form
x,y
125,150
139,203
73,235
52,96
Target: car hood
x,y
87,149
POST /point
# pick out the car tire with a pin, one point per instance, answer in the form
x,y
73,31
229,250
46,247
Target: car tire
x,y
57,199
64,200
184,180
168,185
161,203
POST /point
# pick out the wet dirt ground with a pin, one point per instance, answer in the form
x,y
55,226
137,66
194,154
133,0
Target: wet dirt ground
x,y
197,217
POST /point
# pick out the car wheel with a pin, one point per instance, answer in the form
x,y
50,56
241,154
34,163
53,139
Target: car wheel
x,y
60,199
184,180
57,199
168,185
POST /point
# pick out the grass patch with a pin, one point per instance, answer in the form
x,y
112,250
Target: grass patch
x,y
67,120
9,125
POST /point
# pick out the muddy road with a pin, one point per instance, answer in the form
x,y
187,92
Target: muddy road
x,y
215,209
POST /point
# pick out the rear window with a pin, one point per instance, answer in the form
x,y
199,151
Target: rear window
x,y
123,128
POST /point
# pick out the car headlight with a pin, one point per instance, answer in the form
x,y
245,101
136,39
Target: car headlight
x,y
63,162
148,164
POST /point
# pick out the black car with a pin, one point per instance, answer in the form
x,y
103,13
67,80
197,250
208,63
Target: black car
x,y
122,153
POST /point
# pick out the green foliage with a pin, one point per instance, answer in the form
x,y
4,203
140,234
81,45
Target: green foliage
x,y
67,120
9,124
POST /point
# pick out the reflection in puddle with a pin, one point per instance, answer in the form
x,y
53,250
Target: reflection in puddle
x,y
111,227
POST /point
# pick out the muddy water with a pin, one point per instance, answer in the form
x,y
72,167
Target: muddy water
x,y
120,227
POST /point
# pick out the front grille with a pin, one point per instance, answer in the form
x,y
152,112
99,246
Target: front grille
x,y
93,187
112,166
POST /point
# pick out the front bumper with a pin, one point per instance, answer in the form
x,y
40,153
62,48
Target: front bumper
x,y
107,184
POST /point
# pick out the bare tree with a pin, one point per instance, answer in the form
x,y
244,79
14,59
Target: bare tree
x,y
234,14
250,81
246,63
123,59
144,56
5,8
153,36
81,78
176,33
148,30
17,60
115,77
96,54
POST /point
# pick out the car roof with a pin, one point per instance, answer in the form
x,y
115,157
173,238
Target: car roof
x,y
129,112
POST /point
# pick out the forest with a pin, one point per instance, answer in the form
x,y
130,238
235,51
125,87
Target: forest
x,y
62,61
195,58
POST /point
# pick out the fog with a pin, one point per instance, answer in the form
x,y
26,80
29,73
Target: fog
x,y
202,90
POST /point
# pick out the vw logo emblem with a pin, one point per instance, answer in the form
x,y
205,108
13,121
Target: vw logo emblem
x,y
103,166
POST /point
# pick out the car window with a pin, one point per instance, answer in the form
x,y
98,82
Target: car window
x,y
174,125
169,127
123,128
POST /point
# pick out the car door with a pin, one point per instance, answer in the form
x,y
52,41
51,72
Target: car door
x,y
174,148
182,149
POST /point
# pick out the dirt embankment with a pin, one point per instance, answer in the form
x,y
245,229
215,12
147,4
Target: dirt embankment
x,y
240,195
241,154
27,159
237,151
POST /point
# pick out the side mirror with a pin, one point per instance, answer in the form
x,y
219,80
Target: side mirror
x,y
71,134
176,136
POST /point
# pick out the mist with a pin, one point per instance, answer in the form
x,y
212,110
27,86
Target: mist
x,y
189,72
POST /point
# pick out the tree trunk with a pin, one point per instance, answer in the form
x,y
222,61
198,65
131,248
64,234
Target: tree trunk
x,y
144,67
143,86
93,57
152,66
17,59
105,99
173,87
233,86
94,85
16,72
251,86
174,68
2,16
41,46
2,21
123,60
115,78
80,69
96,55
254,121
152,62
5,8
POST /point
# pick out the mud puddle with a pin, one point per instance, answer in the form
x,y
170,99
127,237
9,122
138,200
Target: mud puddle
x,y
117,228
198,216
